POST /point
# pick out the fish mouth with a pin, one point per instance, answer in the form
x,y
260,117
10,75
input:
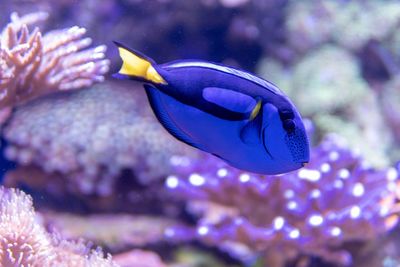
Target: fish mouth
x,y
265,147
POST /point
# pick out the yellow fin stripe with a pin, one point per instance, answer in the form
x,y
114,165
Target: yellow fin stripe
x,y
152,75
255,110
134,65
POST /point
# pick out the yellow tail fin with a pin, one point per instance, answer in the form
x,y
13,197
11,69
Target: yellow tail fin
x,y
137,66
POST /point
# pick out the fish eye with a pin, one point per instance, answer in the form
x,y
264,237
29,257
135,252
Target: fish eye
x,y
289,125
285,114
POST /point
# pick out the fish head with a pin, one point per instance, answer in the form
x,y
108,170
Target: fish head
x,y
285,140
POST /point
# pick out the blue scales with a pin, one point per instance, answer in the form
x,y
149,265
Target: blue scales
x,y
235,115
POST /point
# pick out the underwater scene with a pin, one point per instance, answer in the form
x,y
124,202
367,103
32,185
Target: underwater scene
x,y
200,133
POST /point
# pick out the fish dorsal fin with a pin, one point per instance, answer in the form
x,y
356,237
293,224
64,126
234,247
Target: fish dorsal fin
x,y
230,100
157,99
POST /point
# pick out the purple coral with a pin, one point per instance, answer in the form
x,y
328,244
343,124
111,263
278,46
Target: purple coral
x,y
314,211
32,65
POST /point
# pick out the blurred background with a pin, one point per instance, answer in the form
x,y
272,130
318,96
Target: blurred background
x,y
100,167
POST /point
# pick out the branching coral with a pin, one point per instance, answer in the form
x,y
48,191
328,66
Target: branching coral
x,y
24,241
317,211
90,136
32,65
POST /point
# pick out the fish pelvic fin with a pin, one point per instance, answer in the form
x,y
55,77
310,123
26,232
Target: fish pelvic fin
x,y
137,66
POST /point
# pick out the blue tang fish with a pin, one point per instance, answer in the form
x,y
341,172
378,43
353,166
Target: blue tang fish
x,y
235,115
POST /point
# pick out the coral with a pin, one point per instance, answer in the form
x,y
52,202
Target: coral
x,y
188,256
117,232
139,258
22,240
344,52
32,66
351,24
390,103
365,139
330,88
316,211
309,23
373,138
25,242
316,89
51,191
357,22
90,136
76,253
182,31
337,98
363,124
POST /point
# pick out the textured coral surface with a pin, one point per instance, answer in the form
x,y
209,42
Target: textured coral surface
x,y
334,201
25,242
90,136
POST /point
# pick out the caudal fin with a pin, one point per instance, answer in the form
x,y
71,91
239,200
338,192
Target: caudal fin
x,y
137,66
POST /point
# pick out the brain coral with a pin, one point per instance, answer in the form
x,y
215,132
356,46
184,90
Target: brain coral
x,y
90,136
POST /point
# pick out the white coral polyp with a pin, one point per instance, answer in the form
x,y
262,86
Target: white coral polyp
x,y
25,243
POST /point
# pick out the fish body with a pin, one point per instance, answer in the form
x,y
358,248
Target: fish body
x,y
235,115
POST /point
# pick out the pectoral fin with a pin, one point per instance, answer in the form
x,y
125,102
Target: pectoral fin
x,y
251,132
256,110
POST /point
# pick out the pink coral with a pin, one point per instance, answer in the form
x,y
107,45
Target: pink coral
x,y
25,242
32,65
139,258
316,211
22,240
